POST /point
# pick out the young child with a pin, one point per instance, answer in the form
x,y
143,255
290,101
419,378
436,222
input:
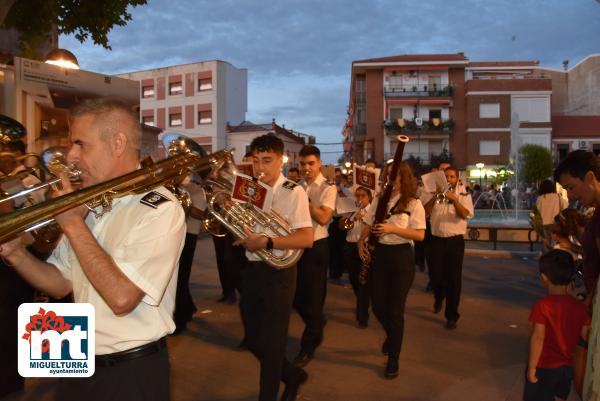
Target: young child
x,y
559,322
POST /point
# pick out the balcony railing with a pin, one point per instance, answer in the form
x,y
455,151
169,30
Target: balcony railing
x,y
408,126
422,90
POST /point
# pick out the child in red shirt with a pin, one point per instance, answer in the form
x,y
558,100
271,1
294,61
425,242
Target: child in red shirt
x,y
560,323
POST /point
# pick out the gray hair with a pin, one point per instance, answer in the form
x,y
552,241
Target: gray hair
x,y
112,115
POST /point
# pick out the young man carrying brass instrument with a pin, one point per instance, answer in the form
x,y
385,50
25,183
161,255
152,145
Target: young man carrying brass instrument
x,y
123,261
266,301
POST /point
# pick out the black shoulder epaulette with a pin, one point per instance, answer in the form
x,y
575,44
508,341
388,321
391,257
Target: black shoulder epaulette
x,y
289,185
154,199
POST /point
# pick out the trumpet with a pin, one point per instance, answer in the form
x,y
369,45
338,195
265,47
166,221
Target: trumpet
x,y
441,196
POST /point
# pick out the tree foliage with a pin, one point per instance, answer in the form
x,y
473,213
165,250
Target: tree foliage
x,y
34,19
536,163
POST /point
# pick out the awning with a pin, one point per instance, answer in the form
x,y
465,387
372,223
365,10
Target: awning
x,y
434,102
416,68
401,102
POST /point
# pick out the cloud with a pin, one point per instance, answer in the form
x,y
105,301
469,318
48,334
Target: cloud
x,y
299,53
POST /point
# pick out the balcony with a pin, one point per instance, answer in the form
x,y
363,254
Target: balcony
x,y
422,90
411,126
360,132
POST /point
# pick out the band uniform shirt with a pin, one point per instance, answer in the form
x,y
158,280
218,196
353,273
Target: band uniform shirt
x,y
320,194
198,198
291,202
444,220
354,233
413,216
145,242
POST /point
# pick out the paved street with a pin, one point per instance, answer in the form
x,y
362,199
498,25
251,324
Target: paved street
x,y
482,360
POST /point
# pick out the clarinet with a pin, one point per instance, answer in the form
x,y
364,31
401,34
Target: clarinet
x,y
381,211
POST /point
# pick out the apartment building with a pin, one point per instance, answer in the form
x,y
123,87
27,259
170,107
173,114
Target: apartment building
x,y
445,102
196,99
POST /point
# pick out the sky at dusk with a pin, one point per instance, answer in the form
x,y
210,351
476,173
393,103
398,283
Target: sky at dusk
x,y
299,53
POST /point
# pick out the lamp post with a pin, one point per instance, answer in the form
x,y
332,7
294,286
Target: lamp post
x,y
480,166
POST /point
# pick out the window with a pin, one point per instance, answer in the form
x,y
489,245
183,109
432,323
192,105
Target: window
x,y
433,113
489,148
395,113
205,84
562,150
175,120
147,91
205,117
533,109
149,120
362,116
489,110
596,149
175,88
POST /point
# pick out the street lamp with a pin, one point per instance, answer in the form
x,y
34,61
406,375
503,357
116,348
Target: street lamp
x,y
62,58
479,166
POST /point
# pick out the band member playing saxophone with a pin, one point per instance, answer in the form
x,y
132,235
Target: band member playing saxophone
x,y
393,271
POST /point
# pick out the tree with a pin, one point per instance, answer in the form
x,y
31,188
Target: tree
x,y
34,19
536,163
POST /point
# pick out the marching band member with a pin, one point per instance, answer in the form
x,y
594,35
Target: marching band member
x,y
268,293
311,287
393,269
352,258
449,211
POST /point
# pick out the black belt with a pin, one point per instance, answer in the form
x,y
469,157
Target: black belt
x,y
134,353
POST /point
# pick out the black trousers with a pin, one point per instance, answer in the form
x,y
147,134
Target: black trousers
x,y
446,272
354,264
184,303
427,248
392,274
13,292
141,379
337,240
230,260
311,289
266,305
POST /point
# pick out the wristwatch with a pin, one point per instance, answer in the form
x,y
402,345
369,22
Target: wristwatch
x,y
269,244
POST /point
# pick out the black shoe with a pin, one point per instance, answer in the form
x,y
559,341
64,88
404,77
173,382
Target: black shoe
x,y
291,388
223,298
302,359
451,325
363,325
391,368
437,306
429,288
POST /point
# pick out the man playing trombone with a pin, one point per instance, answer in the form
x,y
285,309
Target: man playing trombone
x,y
122,260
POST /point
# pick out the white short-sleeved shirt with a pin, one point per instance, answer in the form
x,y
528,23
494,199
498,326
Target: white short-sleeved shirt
x,y
320,194
413,216
145,243
444,220
291,202
354,234
549,206
198,197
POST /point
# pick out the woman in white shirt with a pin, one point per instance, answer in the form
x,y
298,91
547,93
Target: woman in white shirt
x,y
352,258
392,270
550,204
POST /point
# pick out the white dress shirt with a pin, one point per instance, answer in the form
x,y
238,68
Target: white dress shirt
x,y
444,220
320,193
413,216
145,243
291,202
354,233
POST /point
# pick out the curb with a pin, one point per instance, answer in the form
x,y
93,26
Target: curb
x,y
488,253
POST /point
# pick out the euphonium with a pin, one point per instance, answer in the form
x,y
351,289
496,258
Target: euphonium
x,y
235,216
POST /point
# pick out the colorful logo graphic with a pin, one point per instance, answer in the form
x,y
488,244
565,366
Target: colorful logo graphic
x,y
56,340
